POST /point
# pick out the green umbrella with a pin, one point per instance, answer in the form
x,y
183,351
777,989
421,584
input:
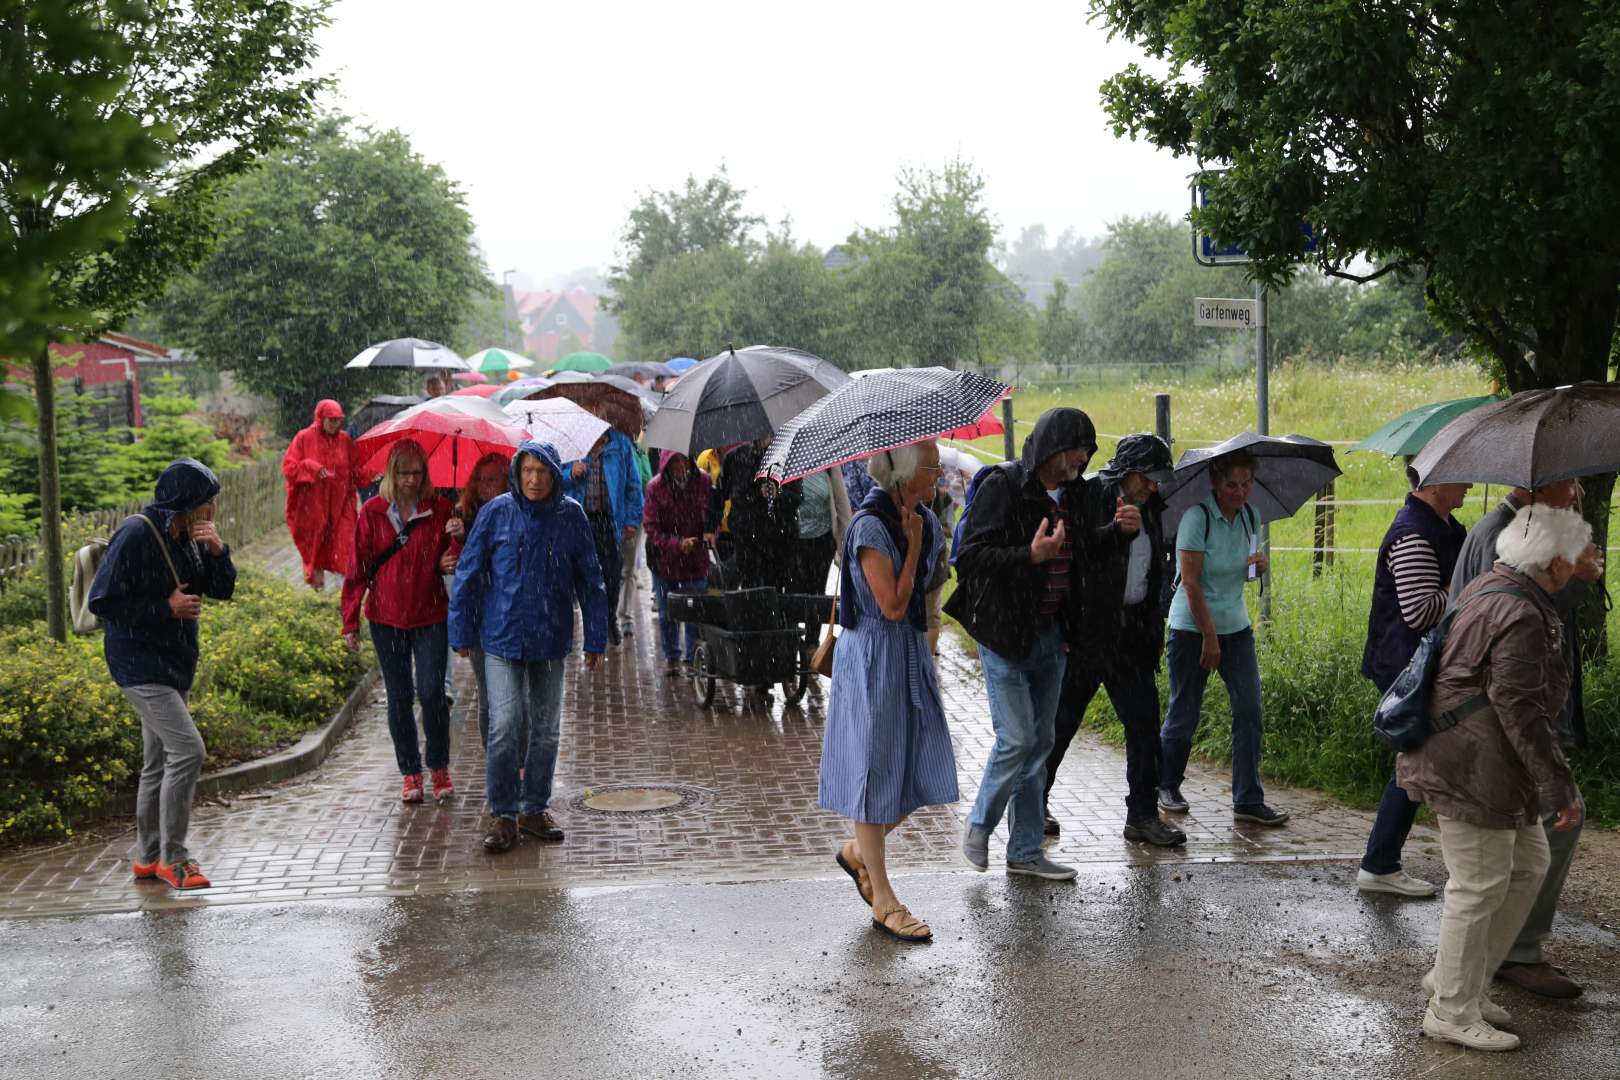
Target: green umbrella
x,y
583,361
495,361
1410,432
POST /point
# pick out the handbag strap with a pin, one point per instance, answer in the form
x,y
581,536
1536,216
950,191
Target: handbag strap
x,y
163,547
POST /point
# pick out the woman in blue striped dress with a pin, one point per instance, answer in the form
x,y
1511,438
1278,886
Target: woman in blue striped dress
x,y
887,751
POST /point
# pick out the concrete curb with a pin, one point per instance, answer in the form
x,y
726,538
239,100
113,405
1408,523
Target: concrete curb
x,y
301,756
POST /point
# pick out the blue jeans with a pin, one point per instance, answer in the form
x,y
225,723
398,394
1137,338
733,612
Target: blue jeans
x,y
670,630
1240,671
513,686
428,647
1023,706
475,659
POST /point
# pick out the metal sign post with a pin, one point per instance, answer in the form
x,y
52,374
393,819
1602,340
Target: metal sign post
x,y
1262,421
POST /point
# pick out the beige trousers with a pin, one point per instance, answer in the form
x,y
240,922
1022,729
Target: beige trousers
x,y
1495,875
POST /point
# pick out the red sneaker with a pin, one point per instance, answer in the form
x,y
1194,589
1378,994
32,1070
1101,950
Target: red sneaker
x,y
412,789
443,787
145,870
183,875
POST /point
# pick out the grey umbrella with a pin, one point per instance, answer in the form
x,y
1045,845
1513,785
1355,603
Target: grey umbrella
x,y
1289,470
740,395
1534,438
629,369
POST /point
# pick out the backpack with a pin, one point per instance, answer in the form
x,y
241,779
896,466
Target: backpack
x,y
1402,720
87,560
1251,525
967,503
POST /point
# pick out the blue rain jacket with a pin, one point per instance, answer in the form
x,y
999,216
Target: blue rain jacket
x,y
623,481
523,568
144,643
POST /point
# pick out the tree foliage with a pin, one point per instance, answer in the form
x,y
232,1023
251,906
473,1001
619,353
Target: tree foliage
x,y
699,218
341,240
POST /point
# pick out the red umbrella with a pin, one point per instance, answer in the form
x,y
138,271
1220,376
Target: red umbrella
x,y
454,432
984,425
488,390
470,377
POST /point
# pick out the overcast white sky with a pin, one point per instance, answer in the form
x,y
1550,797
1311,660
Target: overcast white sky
x,y
555,116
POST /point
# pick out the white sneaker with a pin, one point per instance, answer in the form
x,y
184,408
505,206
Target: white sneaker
x,y
1476,1036
1492,1013
1400,883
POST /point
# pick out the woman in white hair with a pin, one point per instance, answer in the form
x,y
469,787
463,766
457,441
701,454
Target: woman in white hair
x,y
1503,677
887,751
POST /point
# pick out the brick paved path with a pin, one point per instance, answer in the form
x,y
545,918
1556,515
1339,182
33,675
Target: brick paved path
x,y
342,831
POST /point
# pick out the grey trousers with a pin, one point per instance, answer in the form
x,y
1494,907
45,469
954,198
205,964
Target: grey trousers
x,y
630,586
1538,924
172,759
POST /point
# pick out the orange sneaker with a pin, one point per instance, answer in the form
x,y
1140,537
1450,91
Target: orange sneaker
x,y
411,790
443,787
183,875
145,870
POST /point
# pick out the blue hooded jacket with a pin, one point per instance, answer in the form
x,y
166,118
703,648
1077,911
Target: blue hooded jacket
x,y
144,642
623,481
523,567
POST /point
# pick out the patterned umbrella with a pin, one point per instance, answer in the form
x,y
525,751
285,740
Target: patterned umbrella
x,y
740,395
560,422
453,431
619,401
410,353
880,412
495,361
522,388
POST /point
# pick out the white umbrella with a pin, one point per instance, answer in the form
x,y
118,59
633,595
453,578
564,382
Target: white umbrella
x,y
493,361
410,354
560,422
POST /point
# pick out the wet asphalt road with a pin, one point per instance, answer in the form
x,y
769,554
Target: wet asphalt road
x,y
1240,970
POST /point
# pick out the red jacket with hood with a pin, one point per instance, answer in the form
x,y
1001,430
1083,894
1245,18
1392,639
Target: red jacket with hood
x,y
321,510
407,592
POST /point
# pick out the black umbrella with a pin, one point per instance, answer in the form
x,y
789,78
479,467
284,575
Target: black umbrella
x,y
1290,469
380,408
880,412
410,353
1534,438
740,395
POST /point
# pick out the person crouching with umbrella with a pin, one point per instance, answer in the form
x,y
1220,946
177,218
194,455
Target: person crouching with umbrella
x,y
887,751
401,547
1216,546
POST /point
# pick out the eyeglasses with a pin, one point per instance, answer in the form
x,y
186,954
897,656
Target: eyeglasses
x,y
410,472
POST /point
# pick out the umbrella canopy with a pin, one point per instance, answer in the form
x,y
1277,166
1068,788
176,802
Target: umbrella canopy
x,y
1411,431
560,422
470,377
454,431
680,364
1534,438
378,409
621,402
412,354
988,424
632,369
1291,468
483,390
584,361
569,376
522,388
740,395
883,411
495,361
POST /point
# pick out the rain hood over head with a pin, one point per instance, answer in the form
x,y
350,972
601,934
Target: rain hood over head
x,y
327,409
1141,453
184,485
546,453
1058,430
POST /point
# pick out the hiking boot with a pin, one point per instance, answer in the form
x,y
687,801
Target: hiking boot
x,y
411,789
541,826
1543,979
183,875
1259,813
443,787
499,833
1154,830
615,638
1042,867
1051,828
1489,1011
976,848
145,870
1170,799
1476,1036
1399,882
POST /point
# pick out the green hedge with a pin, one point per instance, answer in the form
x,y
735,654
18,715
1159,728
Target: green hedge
x,y
272,668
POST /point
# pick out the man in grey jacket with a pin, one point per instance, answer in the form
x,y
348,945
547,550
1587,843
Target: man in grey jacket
x,y
1525,965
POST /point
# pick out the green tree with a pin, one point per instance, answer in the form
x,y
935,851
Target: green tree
x,y
339,241
700,218
171,431
1061,333
122,119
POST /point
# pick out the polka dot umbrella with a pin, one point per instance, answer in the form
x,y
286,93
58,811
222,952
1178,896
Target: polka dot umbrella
x,y
882,411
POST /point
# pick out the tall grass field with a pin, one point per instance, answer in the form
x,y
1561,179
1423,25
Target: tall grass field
x,y
1318,708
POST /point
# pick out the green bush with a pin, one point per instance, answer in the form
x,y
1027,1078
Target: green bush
x,y
272,667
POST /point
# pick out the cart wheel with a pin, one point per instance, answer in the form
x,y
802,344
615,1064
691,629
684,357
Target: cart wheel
x,y
793,689
702,674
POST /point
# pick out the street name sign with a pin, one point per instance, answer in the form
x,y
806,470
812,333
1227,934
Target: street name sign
x,y
1233,314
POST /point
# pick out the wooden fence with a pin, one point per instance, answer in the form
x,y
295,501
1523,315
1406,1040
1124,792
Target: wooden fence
x,y
251,503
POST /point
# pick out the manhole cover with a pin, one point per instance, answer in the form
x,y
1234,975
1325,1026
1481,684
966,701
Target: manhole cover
x,y
638,800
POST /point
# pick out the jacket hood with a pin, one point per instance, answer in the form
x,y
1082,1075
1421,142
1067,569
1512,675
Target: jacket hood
x,y
327,409
546,453
184,485
1056,431
1143,453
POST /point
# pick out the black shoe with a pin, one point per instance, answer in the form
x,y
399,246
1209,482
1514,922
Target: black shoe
x,y
1154,830
1052,827
499,833
1260,813
614,637
1170,799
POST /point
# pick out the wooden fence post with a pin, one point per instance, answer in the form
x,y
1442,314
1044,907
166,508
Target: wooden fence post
x,y
1321,549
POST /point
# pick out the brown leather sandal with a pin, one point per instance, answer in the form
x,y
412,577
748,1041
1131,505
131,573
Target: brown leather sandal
x,y
902,925
863,884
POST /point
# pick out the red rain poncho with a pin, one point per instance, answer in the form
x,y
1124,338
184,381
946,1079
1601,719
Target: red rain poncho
x,y
321,510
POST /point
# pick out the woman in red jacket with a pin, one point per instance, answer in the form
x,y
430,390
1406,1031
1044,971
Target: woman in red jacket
x,y
322,472
673,515
401,546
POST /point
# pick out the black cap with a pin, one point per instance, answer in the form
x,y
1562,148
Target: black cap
x,y
1143,453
